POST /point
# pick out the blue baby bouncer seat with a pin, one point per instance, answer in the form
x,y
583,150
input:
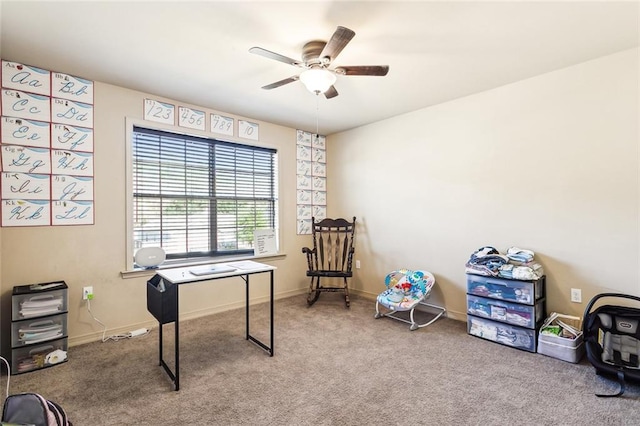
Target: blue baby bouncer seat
x,y
406,290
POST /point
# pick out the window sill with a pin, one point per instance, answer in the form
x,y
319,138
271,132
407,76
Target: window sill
x,y
177,263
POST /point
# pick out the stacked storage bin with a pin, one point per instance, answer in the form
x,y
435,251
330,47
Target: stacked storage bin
x,y
505,311
38,326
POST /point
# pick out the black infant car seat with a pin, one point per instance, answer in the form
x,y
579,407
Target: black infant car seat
x,y
612,339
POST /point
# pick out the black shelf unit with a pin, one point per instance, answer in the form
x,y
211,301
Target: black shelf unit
x,y
38,326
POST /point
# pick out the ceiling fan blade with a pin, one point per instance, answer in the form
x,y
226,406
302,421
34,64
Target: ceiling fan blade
x,y
331,92
281,82
375,70
338,41
272,55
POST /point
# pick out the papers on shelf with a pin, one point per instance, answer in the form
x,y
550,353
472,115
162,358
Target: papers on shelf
x,y
38,287
39,336
37,306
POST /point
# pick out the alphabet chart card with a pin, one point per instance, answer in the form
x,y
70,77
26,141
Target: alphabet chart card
x,y
24,159
72,188
46,147
26,212
71,138
72,213
25,105
20,131
16,186
71,163
311,179
72,88
64,111
26,78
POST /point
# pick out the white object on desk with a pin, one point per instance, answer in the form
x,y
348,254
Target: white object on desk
x,y
211,269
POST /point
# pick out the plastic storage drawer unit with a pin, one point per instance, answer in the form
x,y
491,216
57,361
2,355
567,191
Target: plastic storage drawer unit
x,y
36,330
34,357
517,337
526,292
511,313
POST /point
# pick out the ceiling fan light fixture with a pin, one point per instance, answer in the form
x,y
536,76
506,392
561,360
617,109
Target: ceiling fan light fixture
x,y
317,80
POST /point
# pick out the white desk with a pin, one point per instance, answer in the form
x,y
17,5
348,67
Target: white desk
x,y
192,274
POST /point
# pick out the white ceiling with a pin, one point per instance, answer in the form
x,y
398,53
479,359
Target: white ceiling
x,y
197,52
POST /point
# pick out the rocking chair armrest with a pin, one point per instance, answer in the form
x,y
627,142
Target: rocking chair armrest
x,y
309,253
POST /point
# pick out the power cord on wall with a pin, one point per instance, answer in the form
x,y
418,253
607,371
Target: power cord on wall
x,y
115,337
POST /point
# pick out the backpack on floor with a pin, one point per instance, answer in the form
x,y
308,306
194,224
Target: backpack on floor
x,y
33,409
612,339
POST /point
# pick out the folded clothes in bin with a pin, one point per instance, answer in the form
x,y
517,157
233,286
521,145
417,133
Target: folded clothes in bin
x,y
561,337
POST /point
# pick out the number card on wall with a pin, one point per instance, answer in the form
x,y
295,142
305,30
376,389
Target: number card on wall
x,y
24,77
221,124
248,130
160,112
191,118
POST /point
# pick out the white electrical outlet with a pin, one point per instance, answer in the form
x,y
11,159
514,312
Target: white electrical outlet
x,y
357,264
87,293
576,295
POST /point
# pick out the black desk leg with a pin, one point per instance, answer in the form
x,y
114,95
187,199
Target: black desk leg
x,y
246,304
174,376
271,308
249,336
177,340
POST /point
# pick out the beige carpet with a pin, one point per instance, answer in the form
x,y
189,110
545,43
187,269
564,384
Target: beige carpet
x,y
332,366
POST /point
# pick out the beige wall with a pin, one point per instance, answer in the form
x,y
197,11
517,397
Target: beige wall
x,y
549,164
96,255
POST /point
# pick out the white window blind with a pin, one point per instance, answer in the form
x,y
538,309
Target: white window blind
x,y
195,196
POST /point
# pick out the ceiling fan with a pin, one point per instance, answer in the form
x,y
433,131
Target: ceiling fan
x,y
317,57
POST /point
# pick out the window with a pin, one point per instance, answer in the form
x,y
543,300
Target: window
x,y
195,196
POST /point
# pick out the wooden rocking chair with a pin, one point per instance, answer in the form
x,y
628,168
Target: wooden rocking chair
x,y
331,256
